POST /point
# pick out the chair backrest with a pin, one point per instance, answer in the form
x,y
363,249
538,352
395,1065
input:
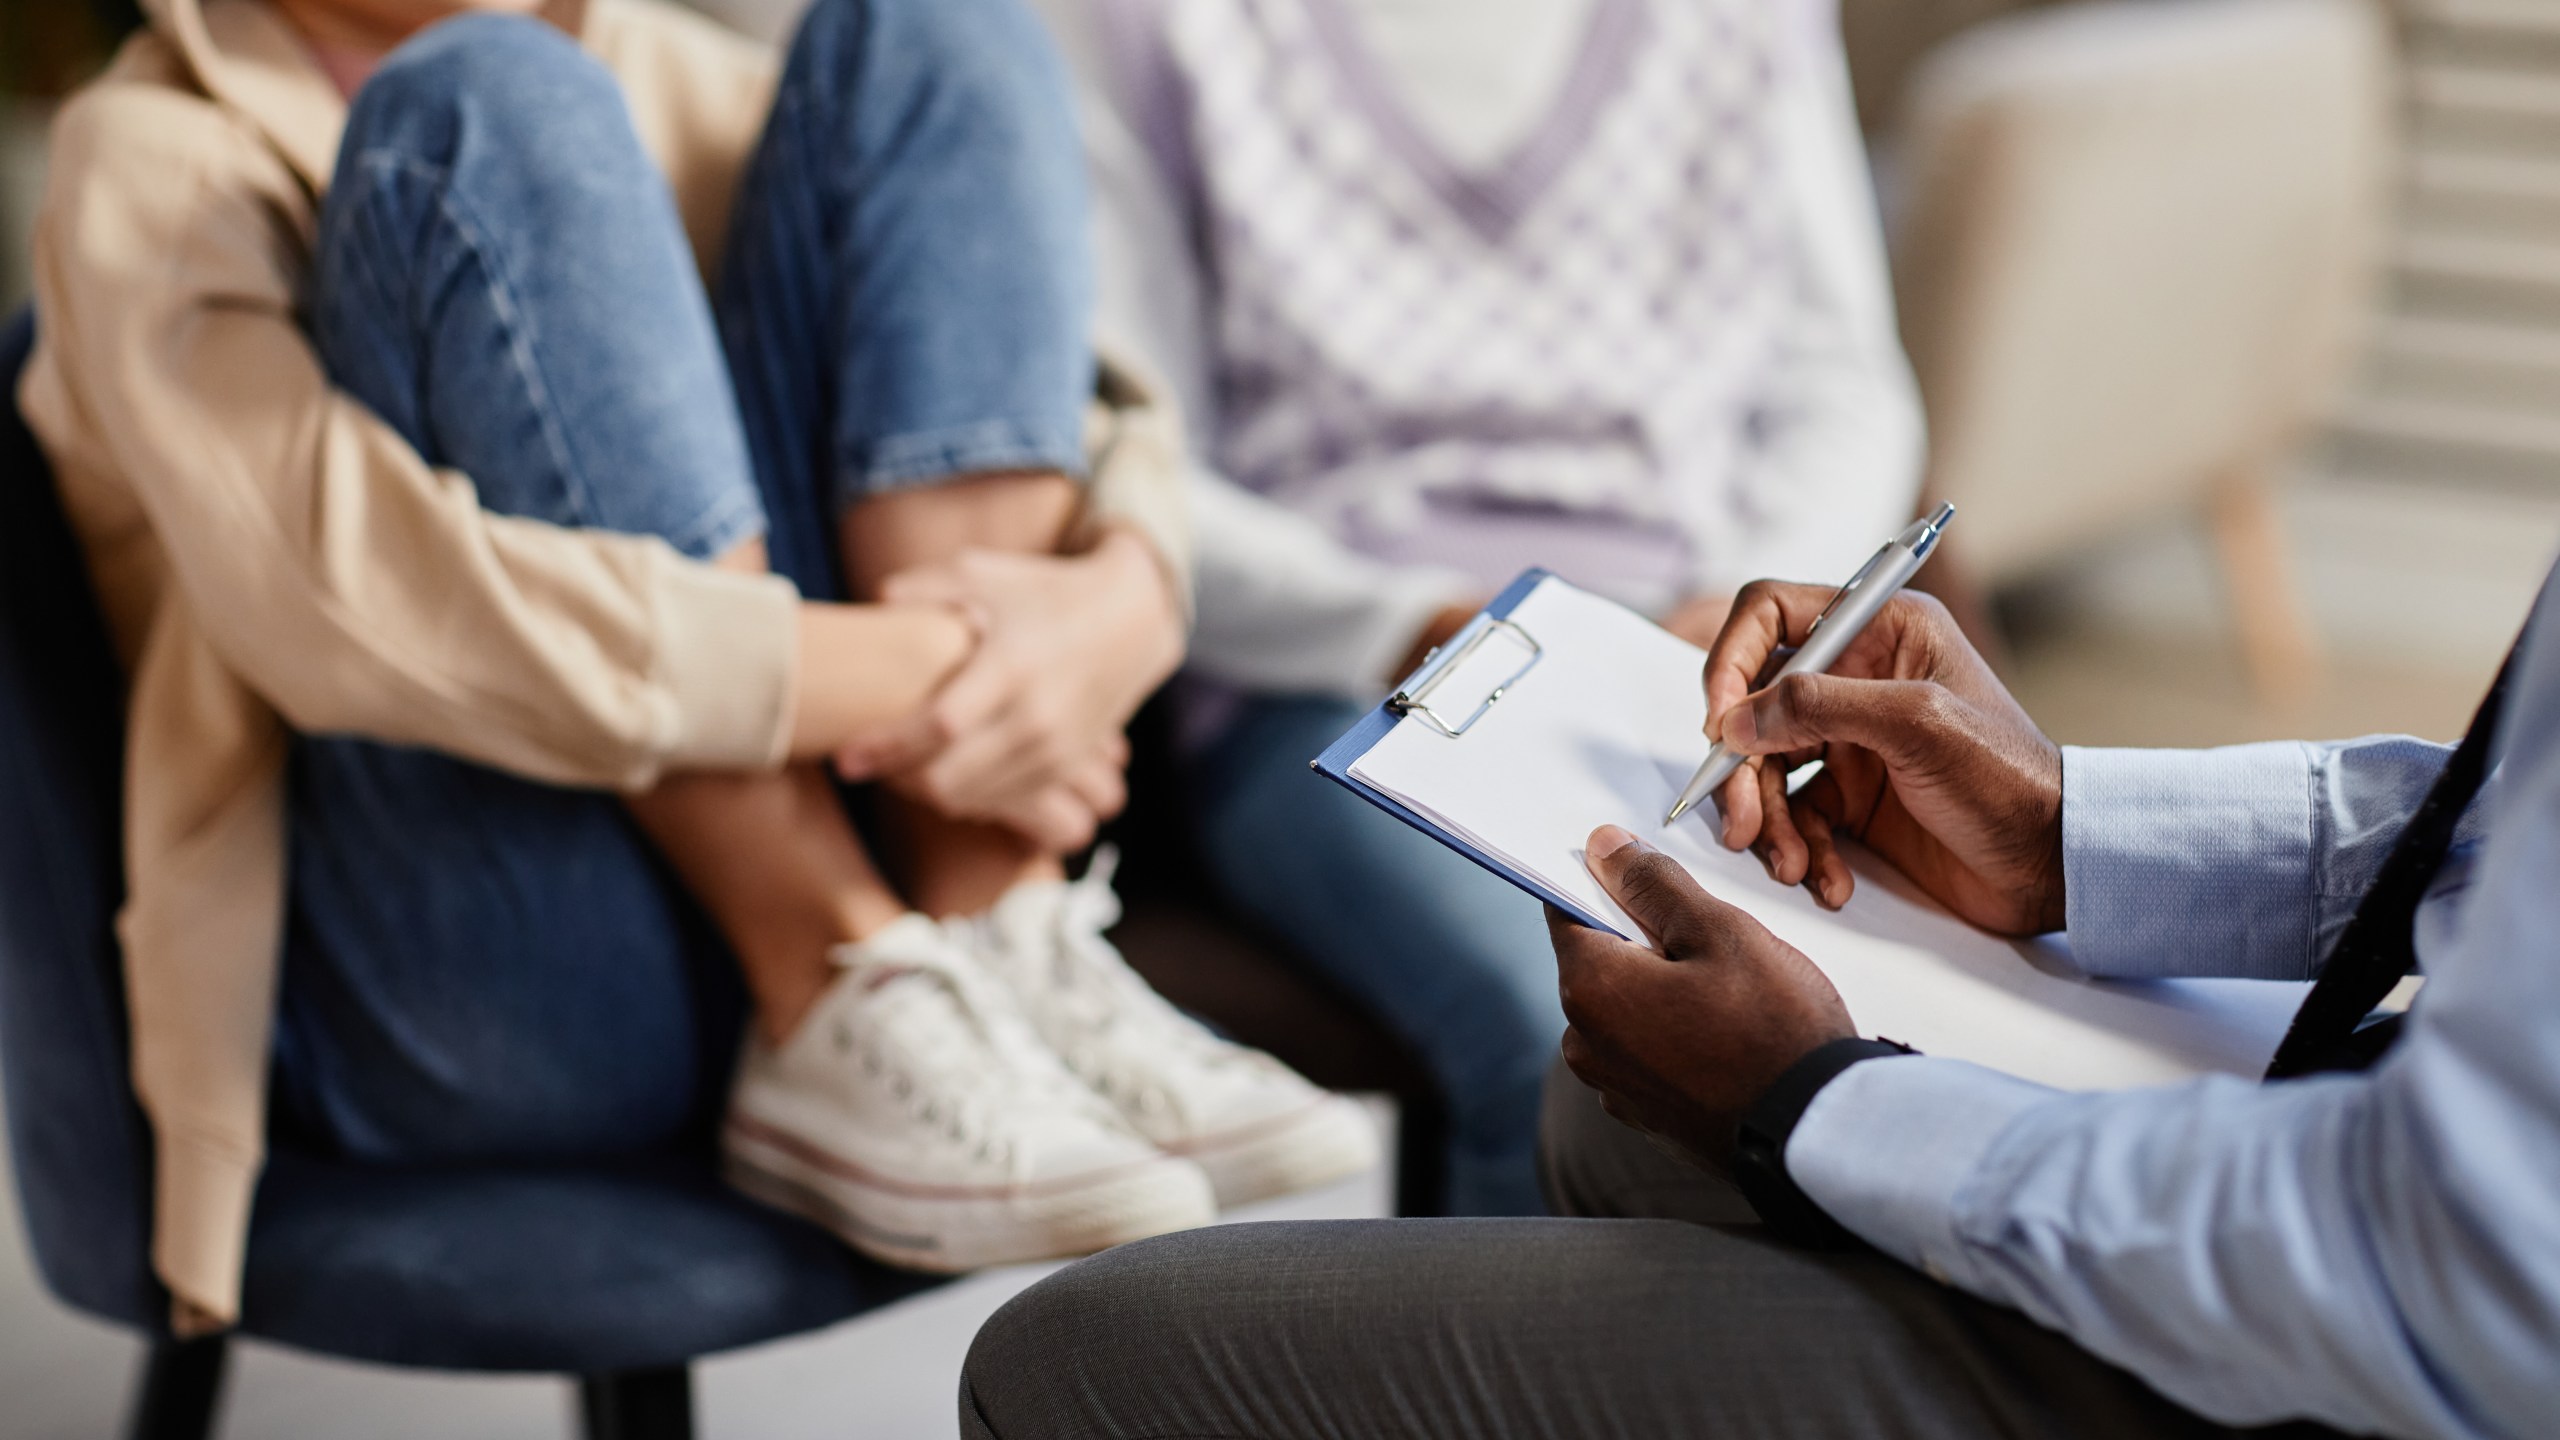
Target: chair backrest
x,y
2135,242
77,1139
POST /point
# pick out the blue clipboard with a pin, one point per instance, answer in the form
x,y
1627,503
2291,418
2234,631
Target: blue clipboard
x,y
1417,699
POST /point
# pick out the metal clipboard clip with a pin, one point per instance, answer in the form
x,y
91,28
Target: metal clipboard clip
x,y
1414,699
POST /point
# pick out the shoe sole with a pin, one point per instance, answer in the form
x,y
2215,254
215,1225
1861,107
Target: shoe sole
x,y
1301,1150
951,1230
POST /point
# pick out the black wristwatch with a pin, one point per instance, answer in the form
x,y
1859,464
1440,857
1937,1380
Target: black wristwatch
x,y
1760,1152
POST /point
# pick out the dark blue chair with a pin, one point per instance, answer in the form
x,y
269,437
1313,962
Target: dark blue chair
x,y
617,1275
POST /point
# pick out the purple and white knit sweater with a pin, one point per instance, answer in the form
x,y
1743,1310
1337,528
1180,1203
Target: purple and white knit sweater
x,y
1548,361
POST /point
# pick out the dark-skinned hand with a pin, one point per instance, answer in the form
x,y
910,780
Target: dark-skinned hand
x,y
1925,758
1680,1039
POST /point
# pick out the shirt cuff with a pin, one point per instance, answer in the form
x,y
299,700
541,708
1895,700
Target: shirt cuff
x,y
728,666
2190,862
1887,1148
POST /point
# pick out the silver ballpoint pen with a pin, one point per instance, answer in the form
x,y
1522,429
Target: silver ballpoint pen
x,y
1850,609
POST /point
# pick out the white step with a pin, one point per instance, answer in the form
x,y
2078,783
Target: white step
x,y
2519,17
2501,177
2489,195
2435,440
2505,366
2462,382
2482,259
2512,346
2463,273
2516,95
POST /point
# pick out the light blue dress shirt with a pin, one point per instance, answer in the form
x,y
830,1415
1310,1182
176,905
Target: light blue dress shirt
x,y
2379,1252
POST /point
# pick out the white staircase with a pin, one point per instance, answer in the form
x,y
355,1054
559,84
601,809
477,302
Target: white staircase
x,y
2463,383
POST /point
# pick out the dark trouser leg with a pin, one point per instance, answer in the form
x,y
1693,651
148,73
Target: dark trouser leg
x,y
1592,1329
1509,1329
479,966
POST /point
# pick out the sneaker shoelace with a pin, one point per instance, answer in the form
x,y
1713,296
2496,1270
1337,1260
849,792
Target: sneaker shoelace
x,y
950,1046
1122,1030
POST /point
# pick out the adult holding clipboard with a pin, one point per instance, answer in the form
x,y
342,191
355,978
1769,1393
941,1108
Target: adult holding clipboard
x,y
2370,1243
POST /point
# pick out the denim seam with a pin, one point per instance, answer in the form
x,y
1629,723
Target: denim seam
x,y
354,259
512,317
725,522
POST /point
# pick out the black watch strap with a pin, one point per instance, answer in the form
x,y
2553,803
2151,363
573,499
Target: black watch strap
x,y
1760,1151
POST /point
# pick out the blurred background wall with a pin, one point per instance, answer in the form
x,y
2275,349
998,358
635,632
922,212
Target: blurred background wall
x,y
2203,508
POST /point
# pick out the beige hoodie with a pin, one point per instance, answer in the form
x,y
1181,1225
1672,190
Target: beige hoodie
x,y
272,557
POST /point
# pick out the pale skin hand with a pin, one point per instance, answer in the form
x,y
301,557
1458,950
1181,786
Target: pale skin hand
x,y
1028,733
1680,1039
1925,756
866,668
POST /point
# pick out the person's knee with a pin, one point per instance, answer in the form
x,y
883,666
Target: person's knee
x,y
978,44
519,78
1026,1370
981,72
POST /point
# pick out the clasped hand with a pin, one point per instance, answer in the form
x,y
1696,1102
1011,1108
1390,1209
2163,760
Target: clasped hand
x,y
1926,759
1029,732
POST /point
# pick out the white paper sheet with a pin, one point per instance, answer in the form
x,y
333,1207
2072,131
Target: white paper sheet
x,y
1607,728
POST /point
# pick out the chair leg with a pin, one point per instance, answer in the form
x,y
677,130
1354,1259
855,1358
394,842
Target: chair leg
x,y
2266,601
181,1384
1422,1156
652,1404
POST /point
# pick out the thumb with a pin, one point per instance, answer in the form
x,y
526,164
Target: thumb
x,y
1656,891
1894,718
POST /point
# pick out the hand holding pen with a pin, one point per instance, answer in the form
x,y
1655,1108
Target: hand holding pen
x,y
1925,758
1832,631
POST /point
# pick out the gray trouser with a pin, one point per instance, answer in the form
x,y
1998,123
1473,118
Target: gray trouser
x,y
1627,1324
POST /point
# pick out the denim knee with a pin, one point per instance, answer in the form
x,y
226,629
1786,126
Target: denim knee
x,y
503,77
991,60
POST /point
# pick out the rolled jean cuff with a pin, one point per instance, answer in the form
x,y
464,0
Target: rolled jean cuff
x,y
927,457
722,526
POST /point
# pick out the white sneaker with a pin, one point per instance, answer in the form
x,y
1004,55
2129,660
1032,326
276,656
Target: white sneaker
x,y
1250,1121
916,1115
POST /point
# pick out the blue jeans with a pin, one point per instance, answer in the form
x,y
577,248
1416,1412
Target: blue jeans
x,y
477,966
1452,959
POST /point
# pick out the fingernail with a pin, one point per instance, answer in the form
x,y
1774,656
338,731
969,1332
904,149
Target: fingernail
x,y
1608,840
1739,728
